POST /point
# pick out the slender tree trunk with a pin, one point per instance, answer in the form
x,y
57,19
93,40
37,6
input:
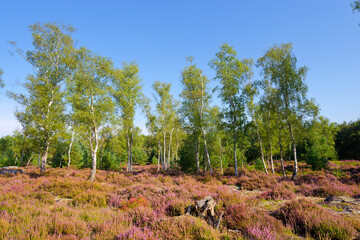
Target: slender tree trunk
x,y
169,151
197,156
128,168
44,157
131,155
268,160
205,163
260,142
94,154
162,159
93,164
201,122
206,151
295,157
27,164
164,156
159,156
70,146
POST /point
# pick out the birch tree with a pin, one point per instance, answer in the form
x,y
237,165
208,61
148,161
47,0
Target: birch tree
x,y
195,104
279,67
165,108
52,61
127,92
232,74
89,95
253,108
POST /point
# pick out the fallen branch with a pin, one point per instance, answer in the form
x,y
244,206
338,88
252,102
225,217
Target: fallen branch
x,y
218,223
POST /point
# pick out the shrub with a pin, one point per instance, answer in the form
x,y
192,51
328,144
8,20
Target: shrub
x,y
260,232
43,196
255,225
308,218
279,192
252,180
259,165
324,185
176,207
141,216
94,198
315,159
115,200
136,233
134,202
185,227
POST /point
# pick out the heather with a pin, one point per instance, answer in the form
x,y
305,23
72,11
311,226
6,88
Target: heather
x,y
308,218
151,204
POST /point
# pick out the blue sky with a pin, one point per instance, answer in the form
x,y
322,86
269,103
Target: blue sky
x,y
160,34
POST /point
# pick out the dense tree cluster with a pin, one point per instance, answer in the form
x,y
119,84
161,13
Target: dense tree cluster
x,y
347,142
79,111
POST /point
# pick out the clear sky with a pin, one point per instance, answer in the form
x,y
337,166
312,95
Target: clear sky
x,y
160,34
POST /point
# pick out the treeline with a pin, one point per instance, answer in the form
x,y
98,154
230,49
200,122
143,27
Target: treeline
x,y
79,110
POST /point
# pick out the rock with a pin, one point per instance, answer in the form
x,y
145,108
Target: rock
x,y
346,204
334,199
13,170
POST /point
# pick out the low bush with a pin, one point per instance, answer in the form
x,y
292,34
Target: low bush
x,y
253,180
308,218
94,198
134,202
185,227
251,223
136,233
279,192
176,207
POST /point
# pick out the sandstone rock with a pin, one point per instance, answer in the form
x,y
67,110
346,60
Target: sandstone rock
x,y
347,204
13,170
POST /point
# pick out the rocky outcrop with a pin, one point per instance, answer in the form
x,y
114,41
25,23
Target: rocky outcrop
x,y
344,204
11,170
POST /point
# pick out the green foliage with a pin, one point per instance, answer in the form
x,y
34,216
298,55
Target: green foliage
x,y
1,80
87,83
128,96
7,154
232,74
259,164
347,141
187,160
195,104
52,59
91,103
315,158
289,94
165,121
355,6
320,143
